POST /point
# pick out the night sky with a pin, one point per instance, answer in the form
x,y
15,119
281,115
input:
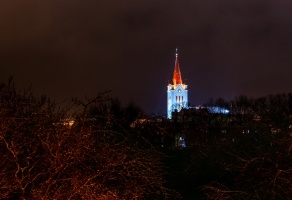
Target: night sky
x,y
73,48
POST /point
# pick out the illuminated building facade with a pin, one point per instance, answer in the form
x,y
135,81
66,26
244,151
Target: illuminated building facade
x,y
177,93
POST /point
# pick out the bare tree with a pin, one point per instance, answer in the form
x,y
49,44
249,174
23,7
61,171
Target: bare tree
x,y
44,157
258,167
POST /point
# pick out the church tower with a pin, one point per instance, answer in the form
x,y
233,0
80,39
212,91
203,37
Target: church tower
x,y
177,93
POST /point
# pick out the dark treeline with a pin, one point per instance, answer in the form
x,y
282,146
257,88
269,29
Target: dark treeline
x,y
97,148
275,109
245,154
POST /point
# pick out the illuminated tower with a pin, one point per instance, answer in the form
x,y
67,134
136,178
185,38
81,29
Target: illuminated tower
x,y
177,93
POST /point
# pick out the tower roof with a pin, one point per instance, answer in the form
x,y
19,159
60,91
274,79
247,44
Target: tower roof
x,y
176,74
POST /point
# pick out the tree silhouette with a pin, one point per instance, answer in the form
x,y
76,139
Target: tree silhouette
x,y
45,157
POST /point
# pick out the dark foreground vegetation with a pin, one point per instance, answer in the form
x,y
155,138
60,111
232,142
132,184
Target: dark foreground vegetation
x,y
98,149
45,156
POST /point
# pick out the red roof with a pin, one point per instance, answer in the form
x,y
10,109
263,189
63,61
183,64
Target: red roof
x,y
176,74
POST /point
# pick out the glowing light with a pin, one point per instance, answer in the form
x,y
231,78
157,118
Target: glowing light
x,y
177,91
68,123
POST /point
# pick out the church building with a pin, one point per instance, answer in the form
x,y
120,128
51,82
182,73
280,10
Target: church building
x,y
177,92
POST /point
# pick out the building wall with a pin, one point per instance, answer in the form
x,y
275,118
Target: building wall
x,y
177,98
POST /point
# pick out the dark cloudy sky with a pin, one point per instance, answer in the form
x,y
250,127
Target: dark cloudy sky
x,y
72,48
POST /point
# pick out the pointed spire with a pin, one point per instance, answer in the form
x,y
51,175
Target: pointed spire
x,y
176,74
